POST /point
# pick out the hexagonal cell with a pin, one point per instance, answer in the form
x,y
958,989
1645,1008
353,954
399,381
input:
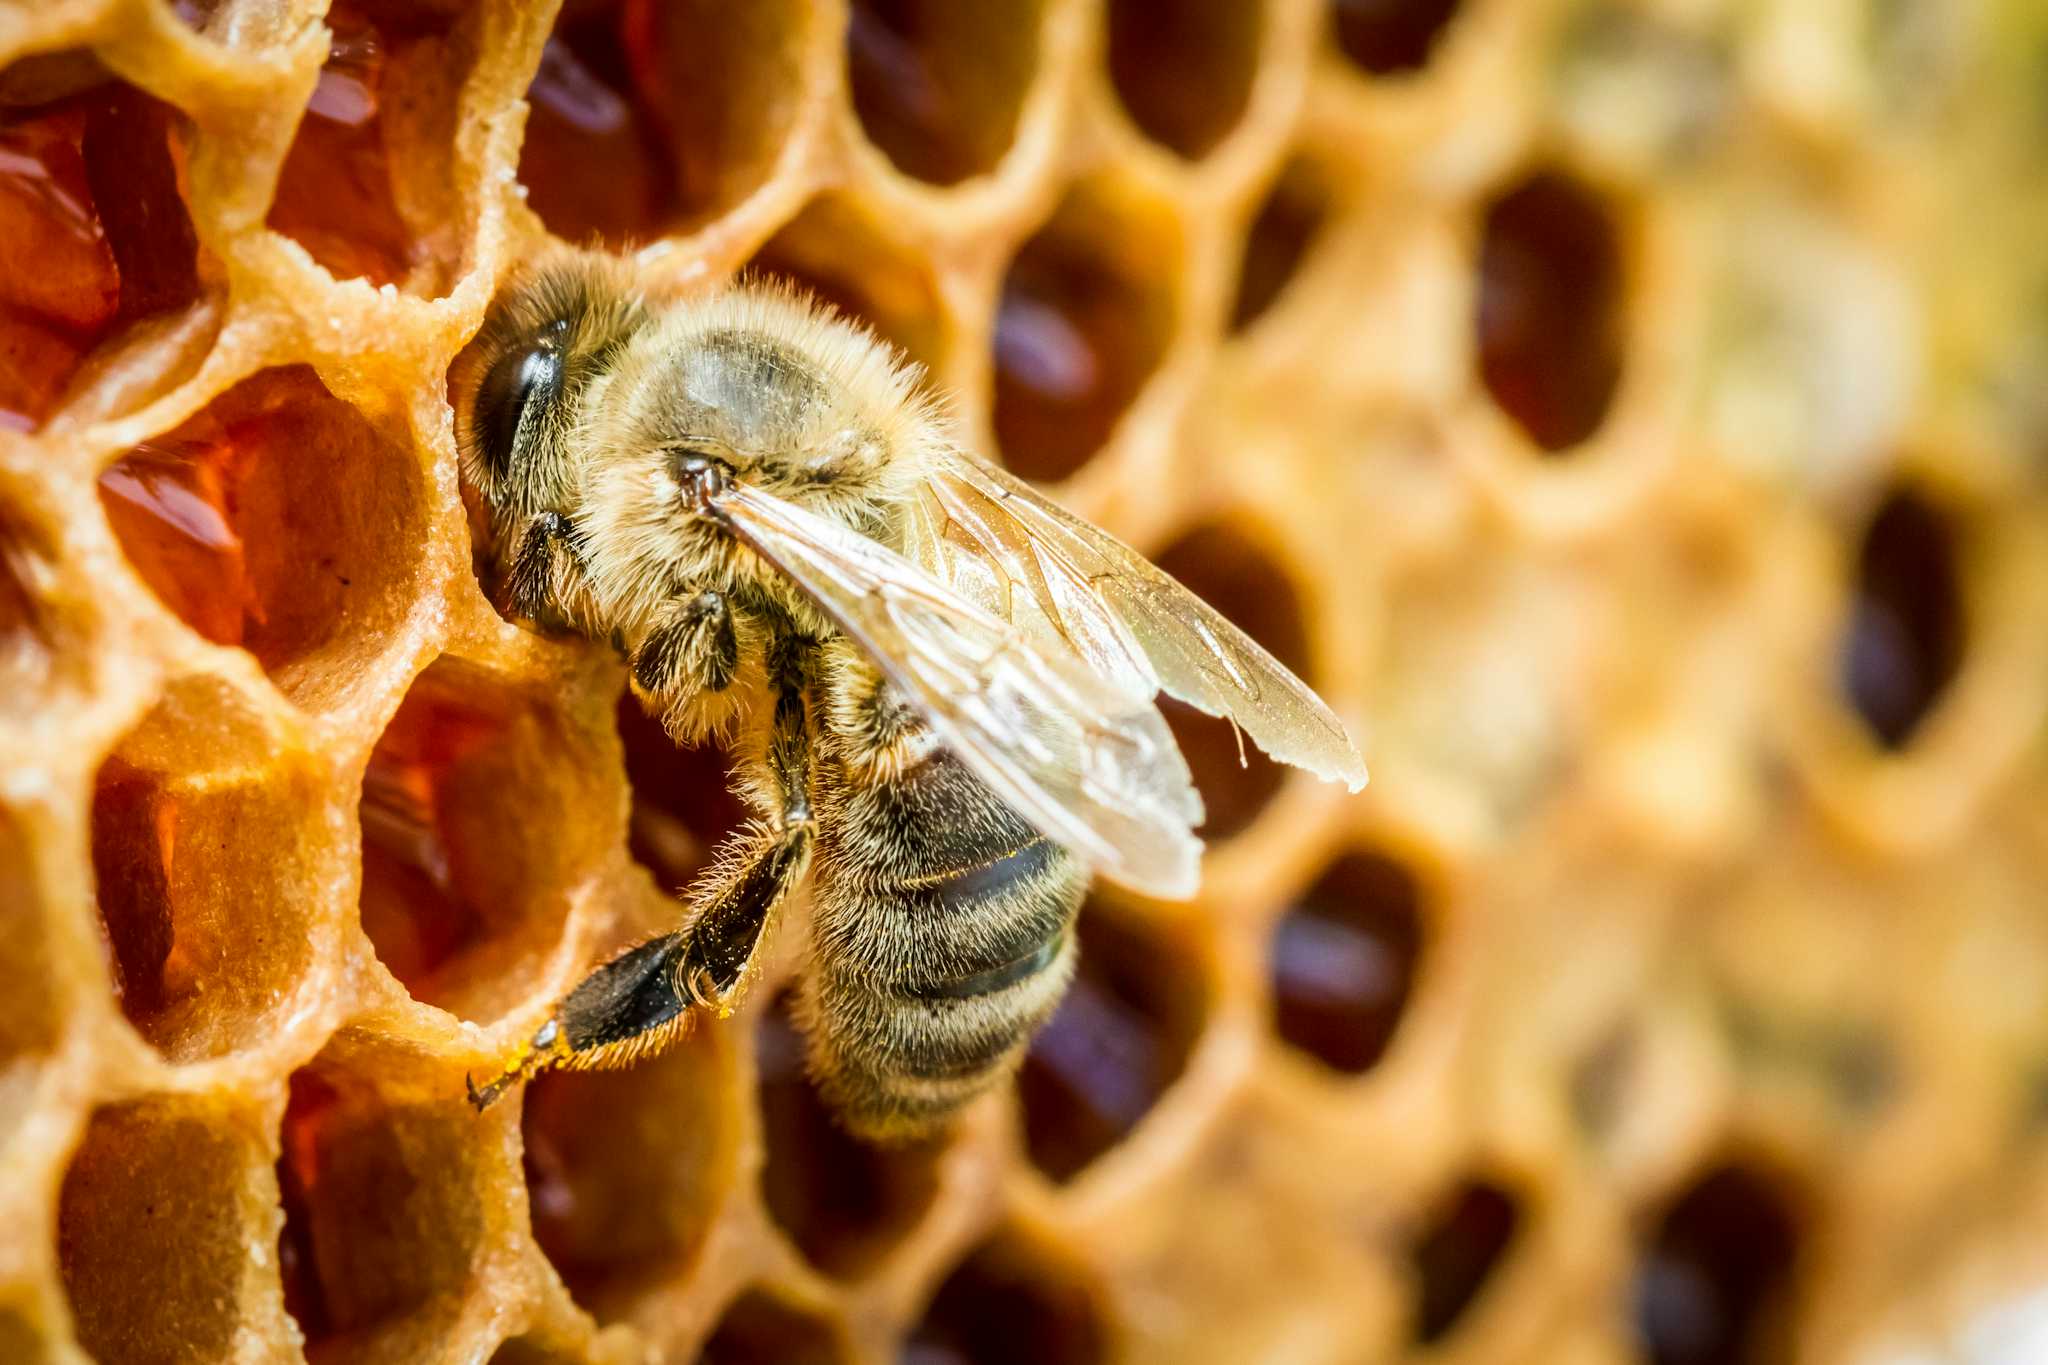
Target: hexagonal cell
x,y
1904,641
1344,961
938,86
90,190
461,914
153,1229
33,1020
1289,220
1121,1037
625,1170
1549,320
385,1211
1455,1256
594,163
1086,313
1390,37
683,803
201,875
1184,69
277,519
648,116
1716,1273
844,1201
368,185
1011,1301
760,1329
832,250
1232,574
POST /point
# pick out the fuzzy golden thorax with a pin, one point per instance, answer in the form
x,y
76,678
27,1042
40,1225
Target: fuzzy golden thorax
x,y
771,391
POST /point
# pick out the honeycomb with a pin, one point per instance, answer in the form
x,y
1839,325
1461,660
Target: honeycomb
x,y
1629,413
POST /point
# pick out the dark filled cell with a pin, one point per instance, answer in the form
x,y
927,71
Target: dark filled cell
x,y
1119,1039
1458,1253
626,1169
1184,68
843,1200
1008,1304
760,1329
938,85
1287,224
1344,962
1715,1272
1905,637
1390,37
1083,321
1550,304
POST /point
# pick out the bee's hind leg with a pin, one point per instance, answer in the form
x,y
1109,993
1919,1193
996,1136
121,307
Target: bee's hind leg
x,y
642,1000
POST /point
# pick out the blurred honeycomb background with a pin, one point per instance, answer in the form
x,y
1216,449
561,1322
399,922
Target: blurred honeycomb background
x,y
1631,414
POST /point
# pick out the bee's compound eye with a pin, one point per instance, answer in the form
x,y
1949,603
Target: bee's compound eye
x,y
517,380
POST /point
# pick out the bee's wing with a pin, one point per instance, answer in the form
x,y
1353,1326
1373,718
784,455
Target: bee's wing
x,y
1090,766
1044,569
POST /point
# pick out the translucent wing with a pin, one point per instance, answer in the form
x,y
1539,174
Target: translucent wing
x,y
1079,757
993,538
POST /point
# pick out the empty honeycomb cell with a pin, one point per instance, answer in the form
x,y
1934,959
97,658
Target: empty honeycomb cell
x,y
1184,69
835,252
1458,1253
683,804
1549,315
199,875
278,519
1715,1276
760,1329
369,119
1390,37
461,913
1011,1301
625,1170
1344,961
385,1207
153,1229
594,162
33,1020
1086,311
91,193
1119,1040
1232,574
1289,220
1905,635
938,86
844,1201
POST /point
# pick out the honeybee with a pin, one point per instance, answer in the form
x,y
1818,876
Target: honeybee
x,y
941,685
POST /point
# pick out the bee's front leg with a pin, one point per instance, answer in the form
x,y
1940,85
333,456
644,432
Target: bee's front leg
x,y
641,1000
548,549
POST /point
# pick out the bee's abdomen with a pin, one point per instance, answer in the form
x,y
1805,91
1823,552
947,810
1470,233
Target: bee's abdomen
x,y
943,927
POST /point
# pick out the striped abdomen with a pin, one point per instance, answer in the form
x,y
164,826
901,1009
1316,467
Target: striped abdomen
x,y
942,939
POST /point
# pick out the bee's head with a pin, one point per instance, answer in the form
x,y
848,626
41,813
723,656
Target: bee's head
x,y
517,388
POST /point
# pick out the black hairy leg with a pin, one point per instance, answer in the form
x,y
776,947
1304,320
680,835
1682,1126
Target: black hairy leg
x,y
695,649
641,1000
531,585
